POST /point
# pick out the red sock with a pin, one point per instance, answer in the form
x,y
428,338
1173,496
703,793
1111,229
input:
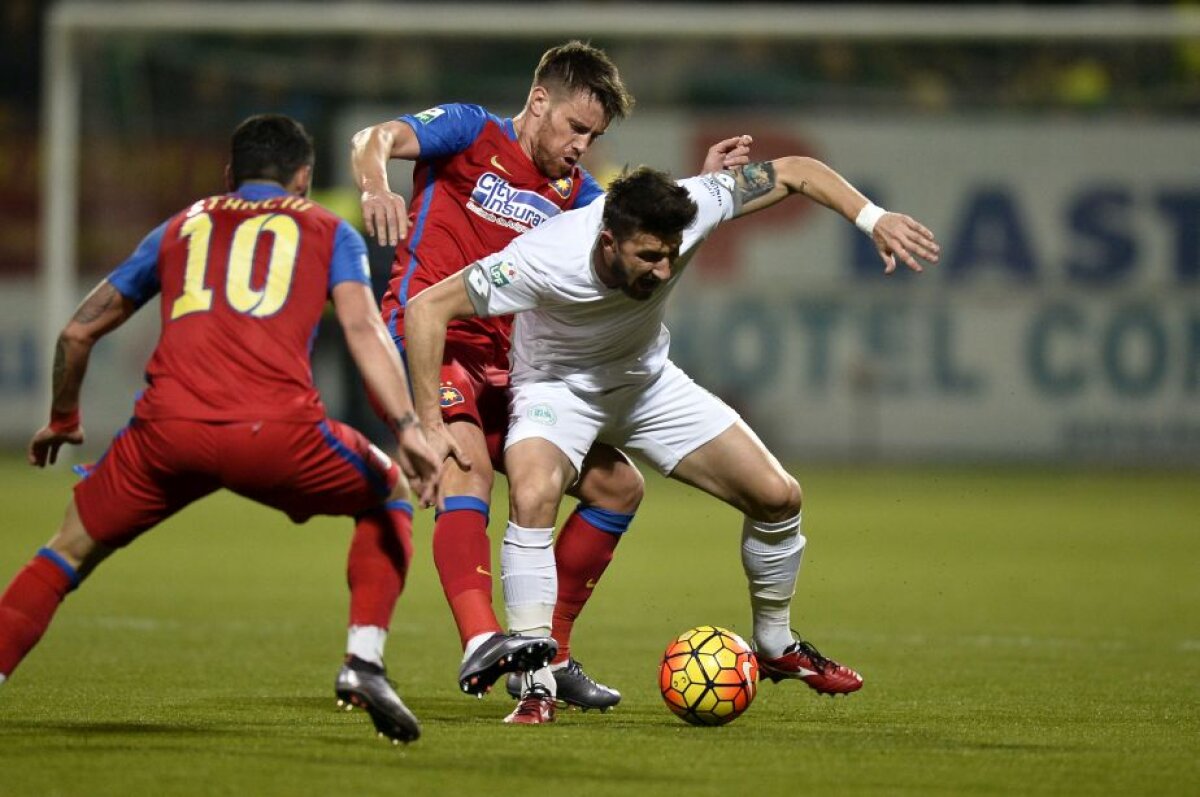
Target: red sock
x,y
582,554
463,557
378,563
28,606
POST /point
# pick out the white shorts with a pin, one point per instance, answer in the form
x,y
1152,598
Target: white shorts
x,y
662,421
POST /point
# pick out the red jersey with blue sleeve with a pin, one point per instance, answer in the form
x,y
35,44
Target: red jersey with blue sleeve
x,y
474,190
244,279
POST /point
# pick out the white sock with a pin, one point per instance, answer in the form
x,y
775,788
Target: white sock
x,y
543,676
474,642
530,580
366,642
3,677
771,554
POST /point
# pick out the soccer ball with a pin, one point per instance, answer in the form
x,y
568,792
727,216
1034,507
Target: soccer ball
x,y
708,676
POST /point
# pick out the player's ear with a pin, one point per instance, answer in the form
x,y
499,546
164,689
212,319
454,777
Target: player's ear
x,y
539,101
302,181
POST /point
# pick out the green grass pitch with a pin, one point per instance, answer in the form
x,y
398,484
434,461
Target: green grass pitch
x,y
1020,631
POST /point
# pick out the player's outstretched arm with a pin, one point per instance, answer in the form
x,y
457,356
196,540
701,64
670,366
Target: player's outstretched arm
x,y
380,366
425,320
101,311
896,236
384,214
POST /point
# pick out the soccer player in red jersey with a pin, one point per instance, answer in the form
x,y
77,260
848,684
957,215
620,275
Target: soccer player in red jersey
x,y
244,279
479,181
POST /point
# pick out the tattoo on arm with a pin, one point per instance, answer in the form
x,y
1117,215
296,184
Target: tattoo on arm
x,y
752,181
94,306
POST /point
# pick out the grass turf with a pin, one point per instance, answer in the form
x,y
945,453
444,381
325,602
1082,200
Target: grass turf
x,y
1020,631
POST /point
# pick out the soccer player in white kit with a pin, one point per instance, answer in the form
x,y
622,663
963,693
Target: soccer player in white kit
x,y
590,362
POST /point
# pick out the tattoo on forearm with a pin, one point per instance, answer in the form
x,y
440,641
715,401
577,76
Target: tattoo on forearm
x,y
96,304
752,181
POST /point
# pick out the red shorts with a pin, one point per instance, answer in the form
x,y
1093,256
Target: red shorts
x,y
473,387
153,469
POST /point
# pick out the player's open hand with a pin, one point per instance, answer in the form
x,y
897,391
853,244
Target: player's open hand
x,y
445,448
902,237
43,448
728,154
385,217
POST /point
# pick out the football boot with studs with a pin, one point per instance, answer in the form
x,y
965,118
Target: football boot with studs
x,y
536,707
366,685
575,688
500,654
801,661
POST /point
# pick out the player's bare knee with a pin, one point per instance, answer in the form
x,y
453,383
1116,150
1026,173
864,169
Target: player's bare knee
x,y
533,504
778,498
76,546
619,488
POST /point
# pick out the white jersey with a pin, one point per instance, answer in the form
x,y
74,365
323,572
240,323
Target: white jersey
x,y
569,325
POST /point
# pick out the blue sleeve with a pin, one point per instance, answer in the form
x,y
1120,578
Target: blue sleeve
x,y
446,129
137,278
349,262
588,191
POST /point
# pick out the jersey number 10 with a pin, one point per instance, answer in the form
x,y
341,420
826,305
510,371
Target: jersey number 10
x,y
239,293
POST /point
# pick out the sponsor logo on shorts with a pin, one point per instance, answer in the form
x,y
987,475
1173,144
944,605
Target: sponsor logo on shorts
x,y
502,274
428,115
450,395
543,414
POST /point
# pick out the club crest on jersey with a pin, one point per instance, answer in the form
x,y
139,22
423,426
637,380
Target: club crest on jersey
x,y
502,274
449,395
562,187
428,115
493,198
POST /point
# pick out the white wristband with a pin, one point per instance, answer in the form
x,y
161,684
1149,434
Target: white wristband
x,y
868,216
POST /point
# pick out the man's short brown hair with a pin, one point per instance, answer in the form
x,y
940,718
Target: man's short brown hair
x,y
579,67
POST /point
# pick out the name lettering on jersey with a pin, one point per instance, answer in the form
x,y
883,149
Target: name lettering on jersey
x,y
493,198
428,115
562,187
237,203
719,188
502,274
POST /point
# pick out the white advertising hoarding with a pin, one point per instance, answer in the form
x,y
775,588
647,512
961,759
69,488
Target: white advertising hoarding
x,y
1063,321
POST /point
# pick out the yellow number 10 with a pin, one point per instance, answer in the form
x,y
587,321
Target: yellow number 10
x,y
241,296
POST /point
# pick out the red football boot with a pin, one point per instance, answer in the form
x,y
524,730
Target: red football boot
x,y
535,707
802,661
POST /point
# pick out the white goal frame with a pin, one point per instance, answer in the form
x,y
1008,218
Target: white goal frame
x,y
70,22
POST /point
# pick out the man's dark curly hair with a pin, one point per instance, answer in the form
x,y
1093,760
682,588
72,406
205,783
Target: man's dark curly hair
x,y
647,200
